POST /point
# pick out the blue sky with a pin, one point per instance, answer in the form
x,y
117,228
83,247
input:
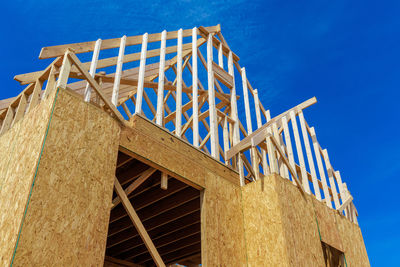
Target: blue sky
x,y
346,53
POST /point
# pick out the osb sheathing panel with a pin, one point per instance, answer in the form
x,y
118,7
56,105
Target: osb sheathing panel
x,y
353,242
67,217
327,224
299,225
156,146
19,153
223,242
265,239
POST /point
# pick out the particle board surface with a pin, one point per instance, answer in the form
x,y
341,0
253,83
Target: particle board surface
x,y
67,217
265,239
327,224
223,241
299,225
353,242
154,145
19,153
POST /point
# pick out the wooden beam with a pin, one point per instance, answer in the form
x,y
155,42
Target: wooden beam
x,y
59,50
246,142
143,177
160,88
138,224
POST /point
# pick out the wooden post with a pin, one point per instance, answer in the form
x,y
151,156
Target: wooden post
x,y
64,72
253,152
340,184
35,95
51,82
220,56
309,156
331,179
226,138
303,170
178,116
234,112
7,120
195,107
283,170
320,167
259,124
118,71
271,153
142,68
211,100
288,145
20,111
164,181
92,71
160,89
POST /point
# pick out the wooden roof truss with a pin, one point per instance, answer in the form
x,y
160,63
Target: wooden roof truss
x,y
172,79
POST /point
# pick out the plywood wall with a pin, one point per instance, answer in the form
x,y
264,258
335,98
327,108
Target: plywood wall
x,y
222,226
264,231
353,243
19,154
281,227
67,217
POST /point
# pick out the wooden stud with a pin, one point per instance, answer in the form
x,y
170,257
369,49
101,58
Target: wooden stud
x,y
331,180
7,120
283,169
92,70
20,109
64,72
234,112
118,72
160,89
226,137
211,100
164,181
35,96
303,170
178,118
289,147
138,224
220,56
271,154
320,167
195,108
51,82
142,67
259,124
309,156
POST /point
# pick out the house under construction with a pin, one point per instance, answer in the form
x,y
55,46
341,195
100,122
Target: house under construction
x,y
156,150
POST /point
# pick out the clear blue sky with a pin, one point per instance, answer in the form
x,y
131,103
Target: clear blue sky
x,y
346,53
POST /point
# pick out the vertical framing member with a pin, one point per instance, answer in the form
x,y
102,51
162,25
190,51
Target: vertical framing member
x,y
92,71
303,170
142,69
309,156
118,71
178,116
160,89
195,89
234,112
320,167
211,100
